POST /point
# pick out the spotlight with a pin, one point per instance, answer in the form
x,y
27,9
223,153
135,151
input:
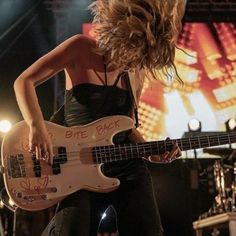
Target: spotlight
x,y
5,126
104,215
230,124
194,125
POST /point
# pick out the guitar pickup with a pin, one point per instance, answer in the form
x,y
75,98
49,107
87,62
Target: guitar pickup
x,y
62,155
36,166
56,169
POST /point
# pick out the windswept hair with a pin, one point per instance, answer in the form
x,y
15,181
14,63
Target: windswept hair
x,y
138,33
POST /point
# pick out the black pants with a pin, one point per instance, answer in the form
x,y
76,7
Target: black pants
x,y
137,213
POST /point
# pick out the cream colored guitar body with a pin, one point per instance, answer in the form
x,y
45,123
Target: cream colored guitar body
x,y
79,152
78,171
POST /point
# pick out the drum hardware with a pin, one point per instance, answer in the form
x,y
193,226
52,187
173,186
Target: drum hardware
x,y
224,171
10,206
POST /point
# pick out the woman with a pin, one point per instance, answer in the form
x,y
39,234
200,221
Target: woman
x,y
133,37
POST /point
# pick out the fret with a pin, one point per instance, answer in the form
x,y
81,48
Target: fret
x,y
165,147
136,146
129,153
114,153
196,143
208,141
181,144
190,144
103,155
133,153
111,153
229,138
140,153
213,141
120,153
158,150
161,147
99,160
126,156
144,152
109,156
147,150
218,138
96,154
150,148
204,141
186,144
199,143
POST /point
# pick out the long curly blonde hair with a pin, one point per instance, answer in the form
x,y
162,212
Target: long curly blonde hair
x,y
138,33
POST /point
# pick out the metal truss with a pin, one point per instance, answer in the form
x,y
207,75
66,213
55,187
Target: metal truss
x,y
60,9
210,10
59,6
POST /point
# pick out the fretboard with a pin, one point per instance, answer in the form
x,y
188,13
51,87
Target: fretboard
x,y
110,153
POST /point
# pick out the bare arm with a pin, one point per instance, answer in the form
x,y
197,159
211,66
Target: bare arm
x,y
24,86
40,71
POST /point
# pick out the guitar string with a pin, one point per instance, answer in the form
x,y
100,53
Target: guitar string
x,y
148,144
113,148
159,144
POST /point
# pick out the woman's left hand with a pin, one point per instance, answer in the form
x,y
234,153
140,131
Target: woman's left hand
x,y
167,157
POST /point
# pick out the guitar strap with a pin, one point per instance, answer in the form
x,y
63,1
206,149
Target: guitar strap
x,y
130,79
58,116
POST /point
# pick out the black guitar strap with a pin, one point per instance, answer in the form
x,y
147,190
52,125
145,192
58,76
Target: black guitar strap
x,y
134,104
58,116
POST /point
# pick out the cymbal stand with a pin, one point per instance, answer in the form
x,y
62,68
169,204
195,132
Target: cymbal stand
x,y
220,185
1,226
6,201
234,190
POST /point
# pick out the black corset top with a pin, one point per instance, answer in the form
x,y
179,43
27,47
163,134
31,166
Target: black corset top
x,y
86,102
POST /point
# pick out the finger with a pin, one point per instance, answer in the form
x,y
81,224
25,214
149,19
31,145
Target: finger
x,y
150,159
165,157
50,153
179,153
38,152
32,147
156,159
174,155
44,152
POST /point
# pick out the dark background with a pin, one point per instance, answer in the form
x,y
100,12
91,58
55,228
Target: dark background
x,y
31,28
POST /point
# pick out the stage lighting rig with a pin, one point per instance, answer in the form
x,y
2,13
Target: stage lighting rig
x,y
194,125
210,10
230,124
5,126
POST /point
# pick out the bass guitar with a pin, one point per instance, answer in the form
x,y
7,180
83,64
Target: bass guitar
x,y
79,153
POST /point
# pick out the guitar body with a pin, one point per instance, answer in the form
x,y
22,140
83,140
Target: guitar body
x,y
34,185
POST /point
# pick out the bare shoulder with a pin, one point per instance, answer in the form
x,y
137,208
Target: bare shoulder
x,y
79,41
70,50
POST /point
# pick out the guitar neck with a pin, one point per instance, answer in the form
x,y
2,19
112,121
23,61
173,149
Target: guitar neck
x,y
104,154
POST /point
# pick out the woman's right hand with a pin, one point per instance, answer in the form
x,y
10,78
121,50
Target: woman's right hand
x,y
40,143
